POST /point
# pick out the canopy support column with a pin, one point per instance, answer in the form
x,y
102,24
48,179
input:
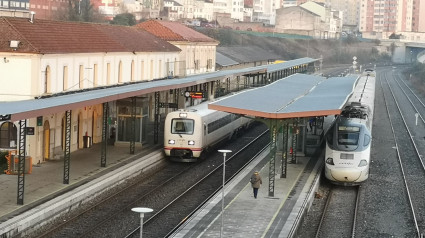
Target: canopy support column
x,y
156,125
295,131
133,125
104,135
285,129
272,162
67,155
21,166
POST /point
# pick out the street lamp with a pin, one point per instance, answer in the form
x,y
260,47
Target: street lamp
x,y
142,211
222,195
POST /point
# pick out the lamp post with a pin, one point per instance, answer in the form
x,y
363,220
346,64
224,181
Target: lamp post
x,y
222,195
142,211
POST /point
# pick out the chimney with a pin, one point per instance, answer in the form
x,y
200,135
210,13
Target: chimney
x,y
32,14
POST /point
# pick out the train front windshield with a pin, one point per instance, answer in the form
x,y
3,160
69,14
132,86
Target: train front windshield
x,y
182,126
348,135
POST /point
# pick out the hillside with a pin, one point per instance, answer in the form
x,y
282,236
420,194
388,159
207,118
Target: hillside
x,y
333,51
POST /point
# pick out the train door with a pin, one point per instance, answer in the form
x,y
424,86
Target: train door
x,y
204,135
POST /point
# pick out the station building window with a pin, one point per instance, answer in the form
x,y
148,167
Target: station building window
x,y
47,79
142,70
95,79
8,135
108,73
120,72
81,77
132,70
65,78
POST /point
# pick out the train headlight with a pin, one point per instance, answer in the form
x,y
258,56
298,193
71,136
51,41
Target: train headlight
x,y
362,163
330,161
191,142
171,142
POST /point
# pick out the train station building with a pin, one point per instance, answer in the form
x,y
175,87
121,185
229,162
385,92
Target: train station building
x,y
71,85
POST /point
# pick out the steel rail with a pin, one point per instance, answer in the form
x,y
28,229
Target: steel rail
x,y
217,169
399,156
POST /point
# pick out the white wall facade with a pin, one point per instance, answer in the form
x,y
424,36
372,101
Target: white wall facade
x,y
203,53
24,77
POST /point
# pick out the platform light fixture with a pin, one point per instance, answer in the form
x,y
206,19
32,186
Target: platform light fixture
x,y
224,152
142,211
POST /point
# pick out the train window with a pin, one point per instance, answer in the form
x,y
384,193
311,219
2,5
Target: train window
x,y
182,126
349,128
330,138
347,138
366,140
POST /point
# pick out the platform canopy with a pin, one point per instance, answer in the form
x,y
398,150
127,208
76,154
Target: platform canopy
x,y
60,102
298,95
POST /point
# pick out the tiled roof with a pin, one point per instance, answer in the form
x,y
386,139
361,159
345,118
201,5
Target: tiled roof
x,y
50,37
173,31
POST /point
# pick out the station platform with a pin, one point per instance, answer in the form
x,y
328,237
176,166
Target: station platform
x,y
46,179
265,216
45,194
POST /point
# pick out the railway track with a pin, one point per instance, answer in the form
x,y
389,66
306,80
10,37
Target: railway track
x,y
339,215
202,186
111,216
402,107
100,212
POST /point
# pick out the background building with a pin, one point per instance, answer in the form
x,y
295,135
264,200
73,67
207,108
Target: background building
x,y
197,50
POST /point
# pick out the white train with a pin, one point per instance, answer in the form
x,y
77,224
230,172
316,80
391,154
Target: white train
x,y
349,140
188,133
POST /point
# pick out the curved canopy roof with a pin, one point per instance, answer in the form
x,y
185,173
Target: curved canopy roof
x,y
298,95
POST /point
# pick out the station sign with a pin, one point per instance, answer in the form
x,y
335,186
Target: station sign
x,y
168,105
29,130
195,94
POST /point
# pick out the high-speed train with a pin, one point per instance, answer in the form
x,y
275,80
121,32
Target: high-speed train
x,y
190,132
348,141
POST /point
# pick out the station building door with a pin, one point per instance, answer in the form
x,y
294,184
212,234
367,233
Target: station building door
x,y
46,141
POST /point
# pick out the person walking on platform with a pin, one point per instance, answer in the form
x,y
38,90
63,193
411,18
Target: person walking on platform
x,y
256,182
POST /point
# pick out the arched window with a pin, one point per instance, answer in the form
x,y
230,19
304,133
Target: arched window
x,y
47,80
108,73
151,71
65,78
8,135
142,70
132,70
120,72
160,69
81,77
95,80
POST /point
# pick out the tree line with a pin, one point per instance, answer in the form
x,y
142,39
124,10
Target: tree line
x,y
84,11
